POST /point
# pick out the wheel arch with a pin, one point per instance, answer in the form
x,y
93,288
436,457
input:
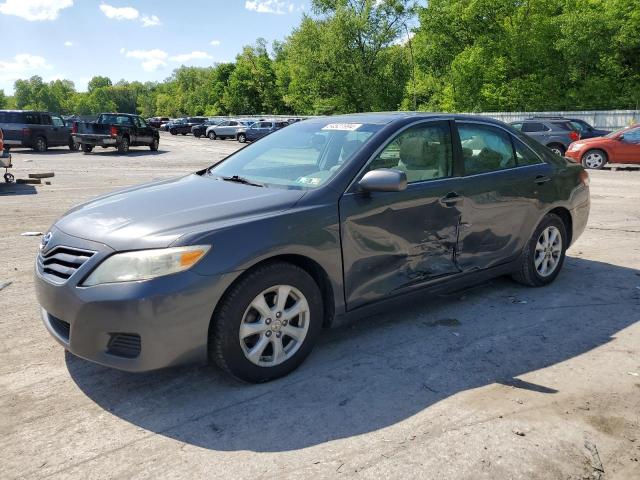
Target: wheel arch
x,y
313,268
565,216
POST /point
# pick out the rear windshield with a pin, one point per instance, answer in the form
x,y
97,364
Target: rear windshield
x,y
114,119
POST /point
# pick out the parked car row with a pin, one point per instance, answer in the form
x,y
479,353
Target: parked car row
x,y
583,143
37,130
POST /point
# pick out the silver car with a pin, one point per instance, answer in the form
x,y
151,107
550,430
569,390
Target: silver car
x,y
227,129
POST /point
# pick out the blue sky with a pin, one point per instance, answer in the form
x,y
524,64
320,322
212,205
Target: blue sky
x,y
131,39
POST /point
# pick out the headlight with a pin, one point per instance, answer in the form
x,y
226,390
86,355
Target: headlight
x,y
145,264
575,146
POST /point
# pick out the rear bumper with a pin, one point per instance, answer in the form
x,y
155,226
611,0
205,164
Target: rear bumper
x,y
95,140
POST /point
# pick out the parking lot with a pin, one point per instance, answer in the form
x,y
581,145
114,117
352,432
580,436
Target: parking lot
x,y
498,381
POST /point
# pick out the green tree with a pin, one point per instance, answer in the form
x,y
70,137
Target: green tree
x,y
98,82
3,99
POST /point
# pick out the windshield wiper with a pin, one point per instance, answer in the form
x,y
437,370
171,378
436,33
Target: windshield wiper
x,y
244,181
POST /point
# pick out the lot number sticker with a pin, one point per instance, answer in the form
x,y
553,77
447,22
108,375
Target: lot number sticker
x,y
346,127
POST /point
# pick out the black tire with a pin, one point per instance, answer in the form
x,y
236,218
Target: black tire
x,y
557,148
242,138
87,148
173,131
590,159
40,144
212,135
73,146
528,273
184,133
224,344
197,135
9,178
155,143
123,145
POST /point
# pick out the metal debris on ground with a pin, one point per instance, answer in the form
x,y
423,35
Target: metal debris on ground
x,y
29,181
4,285
42,175
30,234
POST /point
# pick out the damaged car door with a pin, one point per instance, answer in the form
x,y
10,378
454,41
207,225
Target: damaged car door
x,y
393,241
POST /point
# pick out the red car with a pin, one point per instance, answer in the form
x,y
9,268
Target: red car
x,y
622,146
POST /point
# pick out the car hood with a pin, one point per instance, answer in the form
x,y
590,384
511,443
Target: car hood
x,y
587,141
155,215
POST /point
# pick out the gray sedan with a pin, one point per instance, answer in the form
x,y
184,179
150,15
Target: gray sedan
x,y
245,262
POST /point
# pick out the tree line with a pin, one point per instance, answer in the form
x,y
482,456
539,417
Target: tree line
x,y
377,55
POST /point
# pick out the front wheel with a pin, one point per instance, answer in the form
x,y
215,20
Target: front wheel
x,y
594,159
87,148
197,135
212,135
267,324
173,131
544,254
154,145
73,146
242,137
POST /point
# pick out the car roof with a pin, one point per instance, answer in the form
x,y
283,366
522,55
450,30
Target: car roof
x,y
383,118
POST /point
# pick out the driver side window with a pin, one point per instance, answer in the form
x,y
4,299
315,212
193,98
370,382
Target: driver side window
x,y
423,152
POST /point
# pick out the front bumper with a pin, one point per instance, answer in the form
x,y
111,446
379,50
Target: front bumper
x,y
133,326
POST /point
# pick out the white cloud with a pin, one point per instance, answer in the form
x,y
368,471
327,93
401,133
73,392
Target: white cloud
x,y
35,10
22,65
123,13
186,57
150,21
152,60
279,7
68,44
215,43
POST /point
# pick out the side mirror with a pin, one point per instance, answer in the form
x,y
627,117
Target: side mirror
x,y
620,137
383,180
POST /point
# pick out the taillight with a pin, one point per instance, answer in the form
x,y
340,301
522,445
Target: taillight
x,y
574,136
584,178
26,132
114,131
74,127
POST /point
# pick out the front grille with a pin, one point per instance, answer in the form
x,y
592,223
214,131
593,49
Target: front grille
x,y
61,327
125,345
61,262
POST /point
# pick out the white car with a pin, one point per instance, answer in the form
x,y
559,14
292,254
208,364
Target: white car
x,y
227,129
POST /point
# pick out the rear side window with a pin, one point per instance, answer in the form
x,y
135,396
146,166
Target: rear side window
x,y
524,155
32,118
517,126
530,127
485,148
563,126
57,122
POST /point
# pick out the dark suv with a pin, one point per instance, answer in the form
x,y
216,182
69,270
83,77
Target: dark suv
x,y
583,128
557,134
37,130
186,125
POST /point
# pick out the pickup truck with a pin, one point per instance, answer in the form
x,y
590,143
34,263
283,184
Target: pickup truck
x,y
119,130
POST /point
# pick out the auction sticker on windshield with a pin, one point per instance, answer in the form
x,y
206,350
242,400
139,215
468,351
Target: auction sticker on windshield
x,y
348,127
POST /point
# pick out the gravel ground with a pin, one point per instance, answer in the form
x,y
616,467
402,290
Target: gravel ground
x,y
499,381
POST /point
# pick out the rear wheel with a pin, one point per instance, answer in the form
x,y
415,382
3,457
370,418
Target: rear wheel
x,y
87,148
594,159
557,149
173,131
123,145
197,134
212,135
544,254
267,324
184,133
242,137
40,144
154,145
73,146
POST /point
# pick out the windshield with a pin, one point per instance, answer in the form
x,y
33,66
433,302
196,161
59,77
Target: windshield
x,y
618,132
302,156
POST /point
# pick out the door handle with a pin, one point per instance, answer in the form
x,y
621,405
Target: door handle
x,y
450,199
540,179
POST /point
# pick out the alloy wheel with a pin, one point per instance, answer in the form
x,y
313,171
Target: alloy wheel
x,y
594,160
274,326
548,251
